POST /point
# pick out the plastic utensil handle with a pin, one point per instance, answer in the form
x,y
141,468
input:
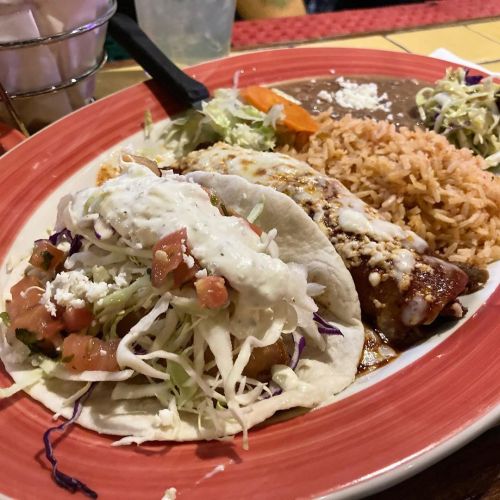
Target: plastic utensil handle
x,y
128,34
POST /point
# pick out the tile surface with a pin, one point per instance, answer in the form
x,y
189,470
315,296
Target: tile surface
x,y
458,39
366,42
490,30
495,66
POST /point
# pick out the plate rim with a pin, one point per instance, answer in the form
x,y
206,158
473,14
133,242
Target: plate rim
x,y
436,452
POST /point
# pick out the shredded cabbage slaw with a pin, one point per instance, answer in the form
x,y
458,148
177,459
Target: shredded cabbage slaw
x,y
466,109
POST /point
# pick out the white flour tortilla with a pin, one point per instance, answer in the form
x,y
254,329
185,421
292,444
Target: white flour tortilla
x,y
321,374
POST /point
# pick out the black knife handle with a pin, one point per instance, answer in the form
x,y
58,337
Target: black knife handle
x,y
128,34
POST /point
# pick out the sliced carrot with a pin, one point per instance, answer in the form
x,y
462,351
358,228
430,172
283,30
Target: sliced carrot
x,y
296,118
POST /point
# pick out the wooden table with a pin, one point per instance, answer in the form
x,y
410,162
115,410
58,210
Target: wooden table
x,y
474,471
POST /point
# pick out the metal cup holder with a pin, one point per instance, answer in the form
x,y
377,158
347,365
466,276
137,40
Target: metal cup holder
x,y
89,63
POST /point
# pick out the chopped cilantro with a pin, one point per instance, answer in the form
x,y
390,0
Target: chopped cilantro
x,y
214,200
36,346
47,259
5,318
26,337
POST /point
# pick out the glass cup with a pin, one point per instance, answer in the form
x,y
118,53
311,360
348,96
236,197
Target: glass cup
x,y
188,31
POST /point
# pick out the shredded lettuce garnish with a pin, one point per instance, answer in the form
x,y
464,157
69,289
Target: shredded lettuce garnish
x,y
148,123
466,110
224,118
28,380
72,399
5,318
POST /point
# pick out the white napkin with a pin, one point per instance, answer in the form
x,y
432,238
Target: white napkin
x,y
446,55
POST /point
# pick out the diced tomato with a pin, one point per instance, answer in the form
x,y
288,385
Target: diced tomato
x,y
46,256
167,256
211,291
256,229
77,319
25,293
82,352
26,313
182,274
39,321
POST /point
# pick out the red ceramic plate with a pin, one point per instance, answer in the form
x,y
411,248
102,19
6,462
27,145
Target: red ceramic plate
x,y
9,138
439,398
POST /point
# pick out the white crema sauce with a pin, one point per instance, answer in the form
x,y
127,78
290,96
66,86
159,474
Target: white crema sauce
x,y
143,208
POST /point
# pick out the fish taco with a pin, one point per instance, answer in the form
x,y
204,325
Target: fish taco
x,y
182,308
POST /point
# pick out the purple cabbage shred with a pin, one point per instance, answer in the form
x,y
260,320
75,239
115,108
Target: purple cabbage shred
x,y
76,244
139,350
472,79
300,343
324,327
275,389
69,483
65,235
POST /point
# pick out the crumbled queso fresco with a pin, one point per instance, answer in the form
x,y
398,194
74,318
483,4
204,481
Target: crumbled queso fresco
x,y
357,96
74,289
